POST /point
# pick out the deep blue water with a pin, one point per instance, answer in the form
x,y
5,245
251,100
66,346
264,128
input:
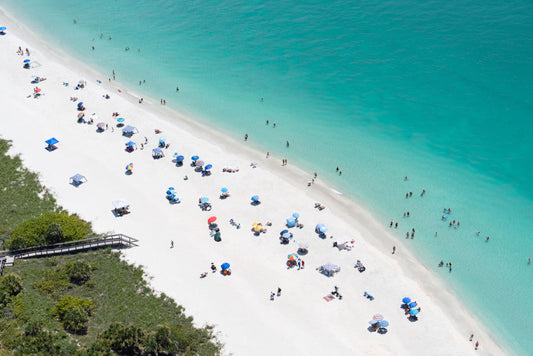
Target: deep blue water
x,y
439,91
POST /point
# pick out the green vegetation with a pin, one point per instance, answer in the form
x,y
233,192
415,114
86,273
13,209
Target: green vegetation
x,y
22,197
90,303
49,228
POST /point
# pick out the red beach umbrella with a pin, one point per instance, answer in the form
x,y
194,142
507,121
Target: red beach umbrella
x,y
212,219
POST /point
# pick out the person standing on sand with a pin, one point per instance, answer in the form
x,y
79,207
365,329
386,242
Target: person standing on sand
x,y
471,337
268,154
171,243
279,292
393,250
477,344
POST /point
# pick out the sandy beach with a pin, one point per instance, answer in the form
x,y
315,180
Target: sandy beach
x,y
246,320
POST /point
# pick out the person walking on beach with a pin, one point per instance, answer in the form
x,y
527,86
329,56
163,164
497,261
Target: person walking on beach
x,y
393,250
268,154
477,345
279,292
287,143
171,243
246,137
272,295
303,264
471,337
299,264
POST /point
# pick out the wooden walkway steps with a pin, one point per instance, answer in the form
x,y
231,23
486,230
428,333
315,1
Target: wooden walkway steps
x,y
8,257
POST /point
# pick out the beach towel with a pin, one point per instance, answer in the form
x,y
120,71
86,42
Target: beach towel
x,y
329,298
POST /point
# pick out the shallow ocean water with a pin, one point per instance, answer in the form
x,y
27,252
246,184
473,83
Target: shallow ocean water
x,y
438,91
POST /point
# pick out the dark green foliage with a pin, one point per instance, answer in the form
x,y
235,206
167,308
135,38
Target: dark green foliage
x,y
49,228
53,282
76,320
69,302
11,284
79,272
22,197
123,339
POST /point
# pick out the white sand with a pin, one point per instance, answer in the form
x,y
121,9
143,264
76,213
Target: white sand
x,y
246,320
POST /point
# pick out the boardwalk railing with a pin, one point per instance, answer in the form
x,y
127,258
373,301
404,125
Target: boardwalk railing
x,y
8,257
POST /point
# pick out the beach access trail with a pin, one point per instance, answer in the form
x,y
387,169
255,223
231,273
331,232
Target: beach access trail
x,y
300,321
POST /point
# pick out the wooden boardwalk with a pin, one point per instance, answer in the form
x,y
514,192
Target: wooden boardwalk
x,y
8,257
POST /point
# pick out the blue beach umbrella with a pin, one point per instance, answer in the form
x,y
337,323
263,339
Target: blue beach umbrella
x,y
321,228
131,143
255,198
286,235
2,28
121,119
175,154
180,158
413,311
225,265
195,158
383,323
204,199
406,300
208,167
224,190
412,305
295,215
162,139
172,196
52,141
26,61
284,231
171,191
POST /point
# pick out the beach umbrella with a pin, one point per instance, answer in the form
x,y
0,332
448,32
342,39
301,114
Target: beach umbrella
x,y
212,219
171,188
175,154
287,235
162,139
170,191
80,104
172,196
413,311
199,163
101,125
321,228
258,227
293,257
284,231
131,143
255,223
373,322
180,158
255,198
377,317
121,119
26,61
204,199
383,323
129,167
52,141
208,167
195,158
37,90
303,246
225,265
412,305
224,190
2,29
80,115
295,215
406,300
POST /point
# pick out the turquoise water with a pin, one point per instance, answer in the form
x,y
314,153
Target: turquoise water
x,y
439,91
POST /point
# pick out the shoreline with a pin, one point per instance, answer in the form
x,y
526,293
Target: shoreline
x,y
376,239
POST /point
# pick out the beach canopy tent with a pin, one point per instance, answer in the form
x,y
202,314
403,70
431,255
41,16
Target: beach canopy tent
x,y
291,222
121,204
255,198
52,141
78,179
157,152
129,130
3,29
286,235
329,269
131,144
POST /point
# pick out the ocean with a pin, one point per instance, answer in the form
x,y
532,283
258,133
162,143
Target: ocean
x,y
438,91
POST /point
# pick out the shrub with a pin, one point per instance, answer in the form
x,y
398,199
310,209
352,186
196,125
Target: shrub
x,y
79,272
69,302
49,228
76,320
11,284
54,281
123,339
